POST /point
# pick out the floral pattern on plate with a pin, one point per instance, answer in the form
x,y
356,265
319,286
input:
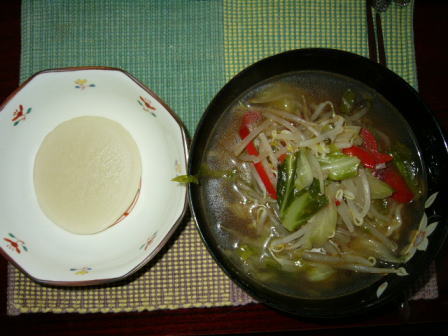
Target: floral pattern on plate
x,y
15,244
148,242
19,114
419,238
83,84
81,271
147,105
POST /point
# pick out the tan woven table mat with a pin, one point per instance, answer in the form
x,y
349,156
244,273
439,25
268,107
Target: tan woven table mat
x,y
185,51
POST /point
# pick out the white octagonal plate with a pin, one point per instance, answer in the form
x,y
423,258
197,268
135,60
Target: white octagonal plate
x,y
43,250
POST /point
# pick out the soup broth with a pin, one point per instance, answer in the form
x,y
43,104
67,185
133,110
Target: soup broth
x,y
314,184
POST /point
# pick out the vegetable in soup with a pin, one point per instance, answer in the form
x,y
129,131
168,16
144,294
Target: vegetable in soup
x,y
328,185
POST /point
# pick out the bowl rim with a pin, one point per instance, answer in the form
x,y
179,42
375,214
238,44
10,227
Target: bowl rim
x,y
213,112
175,225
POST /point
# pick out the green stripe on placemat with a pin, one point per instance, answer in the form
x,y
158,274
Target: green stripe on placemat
x,y
185,51
175,47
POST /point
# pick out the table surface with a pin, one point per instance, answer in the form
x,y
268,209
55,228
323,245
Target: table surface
x,y
431,26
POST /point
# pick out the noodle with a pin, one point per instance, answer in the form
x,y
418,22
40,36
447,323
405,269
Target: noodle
x,y
344,212
243,144
320,108
374,270
336,260
292,117
381,237
264,143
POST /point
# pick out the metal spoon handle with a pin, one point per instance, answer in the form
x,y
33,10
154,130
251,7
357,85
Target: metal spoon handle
x,y
371,31
380,40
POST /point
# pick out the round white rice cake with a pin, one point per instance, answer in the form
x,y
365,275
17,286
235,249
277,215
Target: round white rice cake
x,y
87,173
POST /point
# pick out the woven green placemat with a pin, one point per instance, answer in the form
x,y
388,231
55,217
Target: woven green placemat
x,y
185,51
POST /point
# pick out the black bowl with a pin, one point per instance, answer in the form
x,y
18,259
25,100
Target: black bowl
x,y
430,139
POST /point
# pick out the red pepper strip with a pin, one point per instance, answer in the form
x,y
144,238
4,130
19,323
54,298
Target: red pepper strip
x,y
368,153
369,141
264,177
365,156
368,159
252,150
392,177
282,158
251,117
382,157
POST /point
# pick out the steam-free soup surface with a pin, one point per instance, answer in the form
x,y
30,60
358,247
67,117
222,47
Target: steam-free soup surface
x,y
87,173
314,186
